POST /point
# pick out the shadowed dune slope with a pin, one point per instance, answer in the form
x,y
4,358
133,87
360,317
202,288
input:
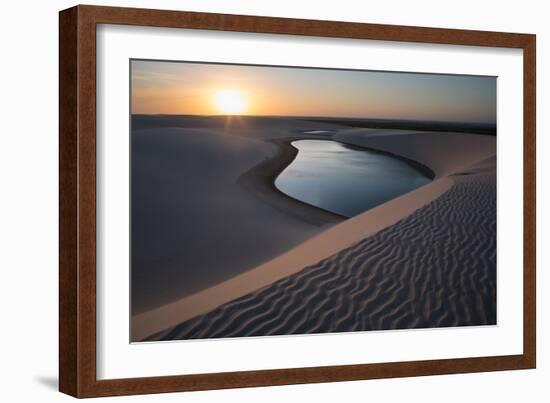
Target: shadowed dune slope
x,y
190,193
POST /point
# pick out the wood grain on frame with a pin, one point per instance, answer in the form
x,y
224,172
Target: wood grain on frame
x,y
77,208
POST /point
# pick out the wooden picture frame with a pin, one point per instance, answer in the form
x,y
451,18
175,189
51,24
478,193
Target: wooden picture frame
x,y
77,131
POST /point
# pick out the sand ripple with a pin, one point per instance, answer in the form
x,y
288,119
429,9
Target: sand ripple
x,y
435,268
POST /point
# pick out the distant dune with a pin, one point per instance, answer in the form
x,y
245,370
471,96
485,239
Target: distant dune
x,y
422,125
426,259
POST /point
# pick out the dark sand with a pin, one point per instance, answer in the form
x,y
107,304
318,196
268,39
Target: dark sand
x,y
260,181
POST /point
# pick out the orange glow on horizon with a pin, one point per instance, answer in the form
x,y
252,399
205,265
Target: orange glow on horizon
x,y
215,89
230,102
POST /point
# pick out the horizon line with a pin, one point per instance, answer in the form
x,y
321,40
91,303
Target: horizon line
x,y
317,117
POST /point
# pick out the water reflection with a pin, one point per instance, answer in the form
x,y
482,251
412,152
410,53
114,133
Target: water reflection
x,y
346,180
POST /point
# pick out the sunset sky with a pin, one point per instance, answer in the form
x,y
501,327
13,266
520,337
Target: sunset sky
x,y
160,87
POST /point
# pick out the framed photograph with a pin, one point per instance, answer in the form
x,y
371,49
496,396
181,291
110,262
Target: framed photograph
x,y
253,201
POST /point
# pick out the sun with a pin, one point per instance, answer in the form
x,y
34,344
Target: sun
x,y
229,102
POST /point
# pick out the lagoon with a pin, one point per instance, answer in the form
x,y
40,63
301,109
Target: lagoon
x,y
347,180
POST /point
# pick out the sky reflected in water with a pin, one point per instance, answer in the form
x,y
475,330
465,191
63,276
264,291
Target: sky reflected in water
x,y
346,180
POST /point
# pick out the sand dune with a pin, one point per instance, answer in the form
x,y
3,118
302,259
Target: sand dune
x,y
424,259
185,193
307,253
437,267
